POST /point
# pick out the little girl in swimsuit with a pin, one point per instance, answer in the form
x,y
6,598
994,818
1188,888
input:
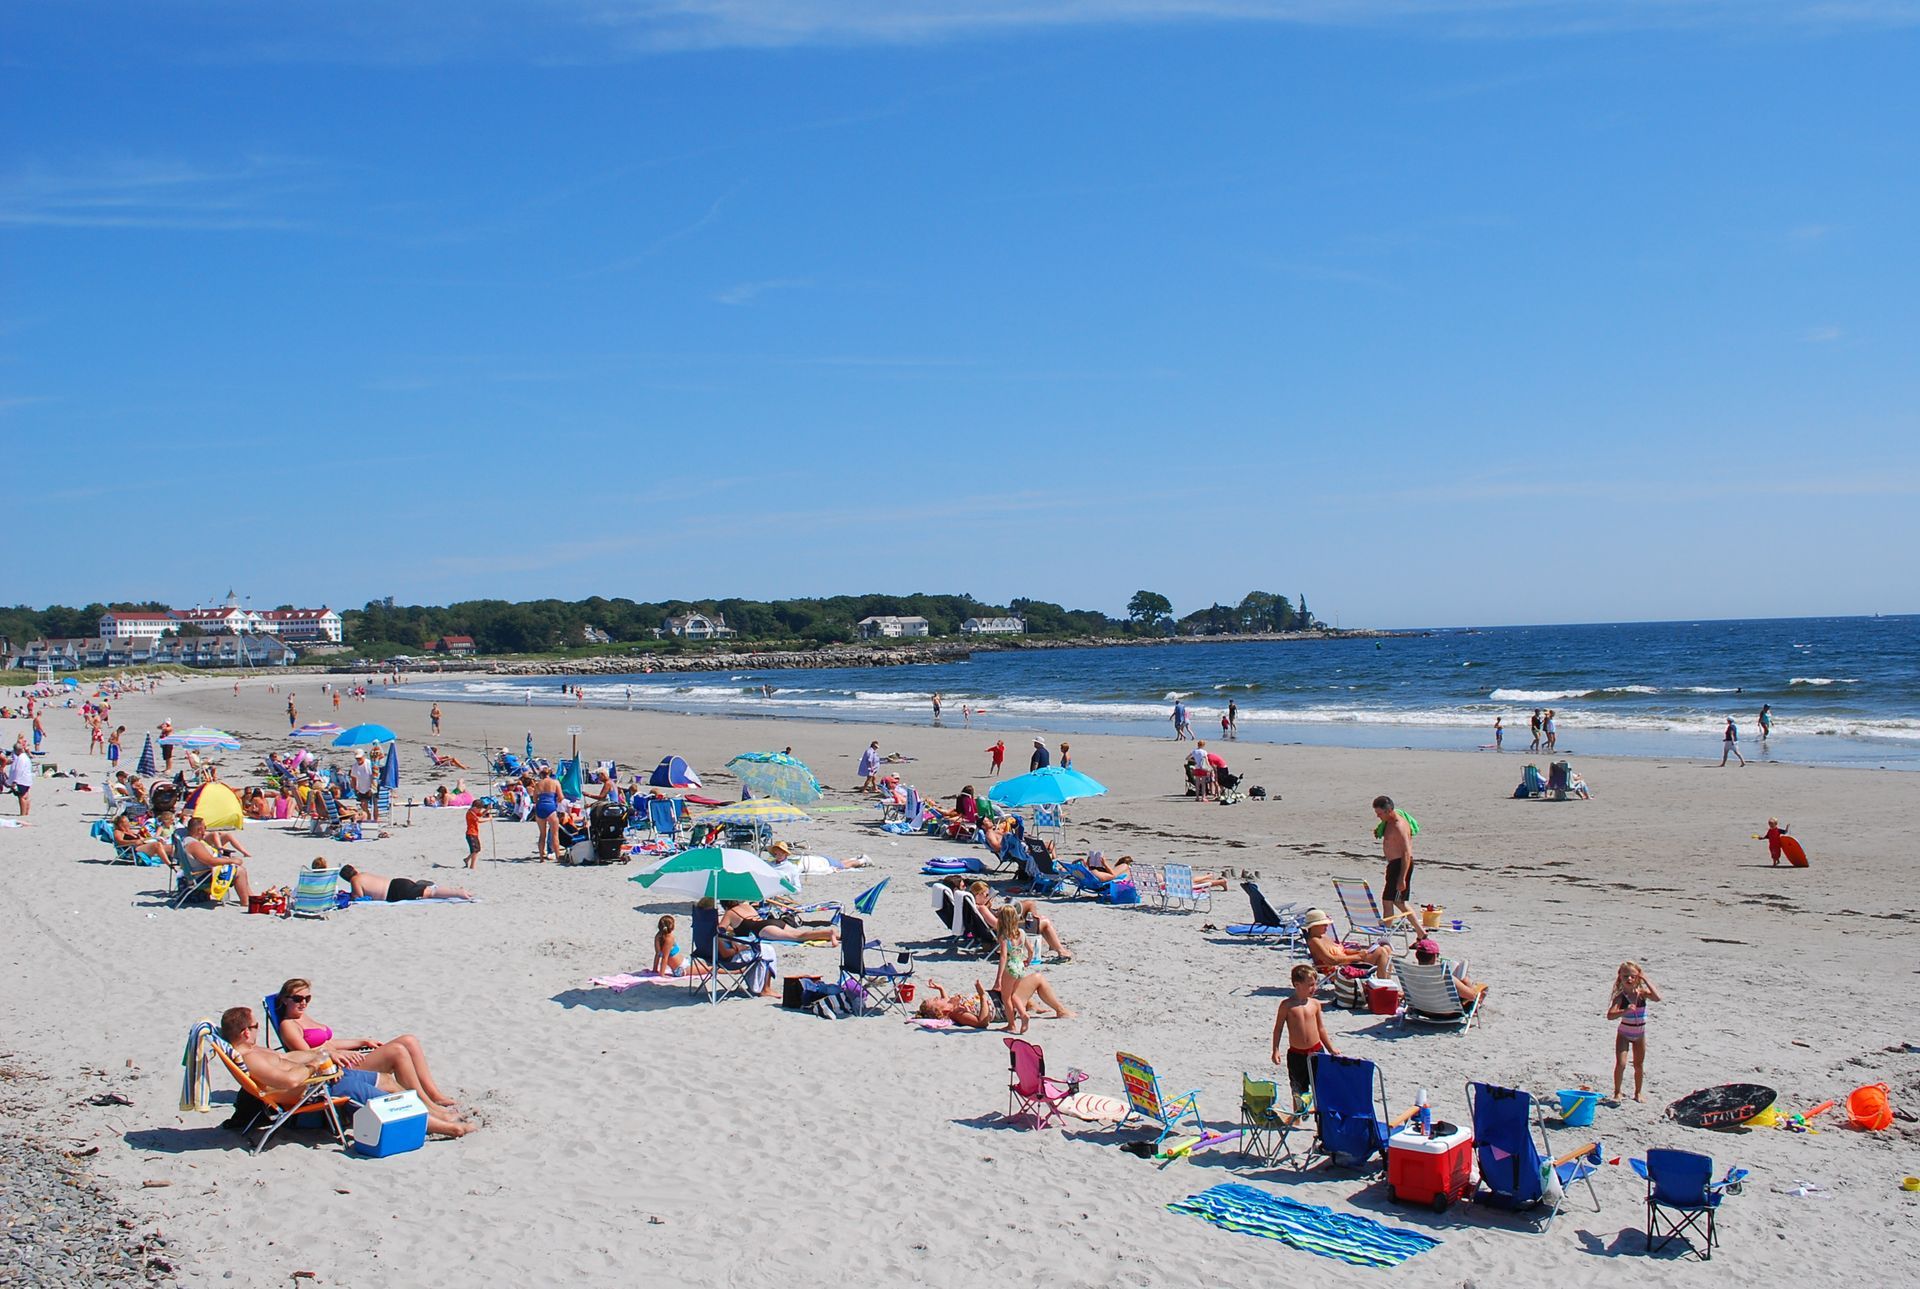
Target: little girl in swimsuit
x,y
667,957
1632,991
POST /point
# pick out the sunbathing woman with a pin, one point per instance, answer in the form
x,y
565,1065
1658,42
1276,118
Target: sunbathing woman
x,y
1020,979
737,917
403,1057
1032,921
968,1013
1117,871
129,841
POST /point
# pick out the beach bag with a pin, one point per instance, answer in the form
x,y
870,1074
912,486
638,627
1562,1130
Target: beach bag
x,y
1350,987
797,993
1121,893
221,882
1257,793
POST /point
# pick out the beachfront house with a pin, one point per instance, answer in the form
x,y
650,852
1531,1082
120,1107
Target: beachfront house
x,y
698,626
59,654
593,635
891,628
454,646
992,627
238,650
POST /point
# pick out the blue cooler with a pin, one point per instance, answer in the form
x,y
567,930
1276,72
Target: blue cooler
x,y
390,1125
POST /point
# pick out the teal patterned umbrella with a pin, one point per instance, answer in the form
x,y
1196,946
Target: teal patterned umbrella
x,y
775,774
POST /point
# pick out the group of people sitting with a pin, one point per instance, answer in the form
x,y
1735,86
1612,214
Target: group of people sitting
x,y
1330,954
364,1067
1020,932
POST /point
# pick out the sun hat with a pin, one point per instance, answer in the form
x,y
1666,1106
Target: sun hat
x,y
1316,917
1424,945
1038,741
780,848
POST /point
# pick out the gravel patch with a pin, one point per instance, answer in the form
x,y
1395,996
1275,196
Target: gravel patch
x,y
60,1224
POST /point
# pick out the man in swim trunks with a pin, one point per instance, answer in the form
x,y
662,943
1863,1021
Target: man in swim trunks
x,y
288,1071
1396,844
372,886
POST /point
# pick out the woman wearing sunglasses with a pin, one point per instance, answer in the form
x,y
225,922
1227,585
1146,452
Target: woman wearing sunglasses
x,y
402,1057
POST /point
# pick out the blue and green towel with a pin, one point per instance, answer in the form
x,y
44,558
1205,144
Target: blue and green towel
x,y
1346,1237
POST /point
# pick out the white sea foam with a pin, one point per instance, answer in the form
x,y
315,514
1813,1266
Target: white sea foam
x,y
1823,680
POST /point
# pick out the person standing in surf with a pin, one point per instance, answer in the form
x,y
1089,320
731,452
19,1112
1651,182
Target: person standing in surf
x,y
1552,731
1766,721
1534,725
1730,744
1233,719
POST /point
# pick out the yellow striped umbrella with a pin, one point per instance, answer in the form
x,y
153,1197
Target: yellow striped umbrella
x,y
760,810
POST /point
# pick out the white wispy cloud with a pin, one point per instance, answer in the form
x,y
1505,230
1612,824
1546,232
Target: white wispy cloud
x,y
747,292
149,193
660,243
1822,335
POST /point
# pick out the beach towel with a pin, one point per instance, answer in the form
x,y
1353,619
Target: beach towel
x,y
622,981
1345,1237
196,1084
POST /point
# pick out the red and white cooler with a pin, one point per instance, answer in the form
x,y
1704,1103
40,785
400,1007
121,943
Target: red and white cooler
x,y
1432,1170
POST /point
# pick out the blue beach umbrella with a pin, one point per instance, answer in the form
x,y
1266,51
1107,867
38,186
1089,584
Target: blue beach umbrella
x,y
1052,786
361,735
673,772
775,774
148,765
390,769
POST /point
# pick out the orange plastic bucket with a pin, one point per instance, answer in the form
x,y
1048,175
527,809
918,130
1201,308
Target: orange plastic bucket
x,y
1869,1107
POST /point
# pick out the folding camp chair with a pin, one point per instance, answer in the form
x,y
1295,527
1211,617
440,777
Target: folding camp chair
x,y
314,892
189,879
1682,1193
1432,998
1514,1172
1029,1090
976,932
1268,922
1348,1128
879,982
1365,921
1083,881
1264,1127
1145,1099
708,971
1150,881
1180,888
663,816
268,1112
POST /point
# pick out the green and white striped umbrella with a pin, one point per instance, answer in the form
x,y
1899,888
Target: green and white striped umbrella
x,y
718,873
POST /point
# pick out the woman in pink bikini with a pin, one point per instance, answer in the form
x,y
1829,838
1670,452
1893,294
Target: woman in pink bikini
x,y
403,1057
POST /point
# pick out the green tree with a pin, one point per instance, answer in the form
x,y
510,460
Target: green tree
x,y
1149,609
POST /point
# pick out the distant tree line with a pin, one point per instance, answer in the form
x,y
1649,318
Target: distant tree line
x,y
544,626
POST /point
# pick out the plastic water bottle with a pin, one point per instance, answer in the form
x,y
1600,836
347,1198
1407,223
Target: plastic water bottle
x,y
1426,1114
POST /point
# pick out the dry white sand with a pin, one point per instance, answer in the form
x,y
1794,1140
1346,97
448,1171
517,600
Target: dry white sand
x,y
640,1137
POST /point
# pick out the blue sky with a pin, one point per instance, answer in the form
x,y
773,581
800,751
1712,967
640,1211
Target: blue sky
x,y
1461,312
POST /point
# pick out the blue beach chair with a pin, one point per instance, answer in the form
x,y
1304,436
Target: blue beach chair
x,y
1349,1111
879,982
1268,922
708,940
1515,1173
1682,1195
1081,878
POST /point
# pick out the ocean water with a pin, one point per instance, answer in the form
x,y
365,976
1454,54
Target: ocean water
x,y
1844,691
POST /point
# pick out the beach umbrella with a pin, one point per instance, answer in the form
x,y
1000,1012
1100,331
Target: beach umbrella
x,y
673,772
316,729
201,736
360,735
1052,786
760,810
529,756
70,682
390,769
717,873
149,765
775,774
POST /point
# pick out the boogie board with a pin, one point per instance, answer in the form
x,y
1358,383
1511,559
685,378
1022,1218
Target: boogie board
x,y
1791,848
1727,1106
1094,1108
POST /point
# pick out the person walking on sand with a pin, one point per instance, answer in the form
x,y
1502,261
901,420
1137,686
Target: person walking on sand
x,y
1730,744
999,754
1534,725
1396,846
293,713
1041,758
869,767
1299,1021
1551,730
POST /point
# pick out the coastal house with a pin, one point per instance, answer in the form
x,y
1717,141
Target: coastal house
x,y
454,646
59,654
593,635
992,627
698,626
890,628
223,651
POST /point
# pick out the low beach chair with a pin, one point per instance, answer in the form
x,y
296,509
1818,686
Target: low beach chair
x,y
1514,1172
729,979
1682,1197
1365,921
1081,878
1264,1126
879,981
1029,1090
663,816
1146,1101
1431,998
1350,1111
258,1110
189,879
1268,922
314,892
976,933
1180,889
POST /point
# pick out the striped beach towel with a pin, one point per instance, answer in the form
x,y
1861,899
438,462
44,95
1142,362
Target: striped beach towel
x,y
1346,1237
196,1091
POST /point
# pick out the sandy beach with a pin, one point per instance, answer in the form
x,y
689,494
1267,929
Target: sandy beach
x,y
643,1137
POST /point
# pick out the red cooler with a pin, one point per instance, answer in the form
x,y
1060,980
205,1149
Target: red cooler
x,y
1432,1170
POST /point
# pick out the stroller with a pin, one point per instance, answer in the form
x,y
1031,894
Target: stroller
x,y
606,834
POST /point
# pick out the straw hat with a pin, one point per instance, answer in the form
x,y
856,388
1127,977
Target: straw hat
x,y
1317,917
781,849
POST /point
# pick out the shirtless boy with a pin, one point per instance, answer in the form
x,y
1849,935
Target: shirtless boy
x,y
1300,1021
